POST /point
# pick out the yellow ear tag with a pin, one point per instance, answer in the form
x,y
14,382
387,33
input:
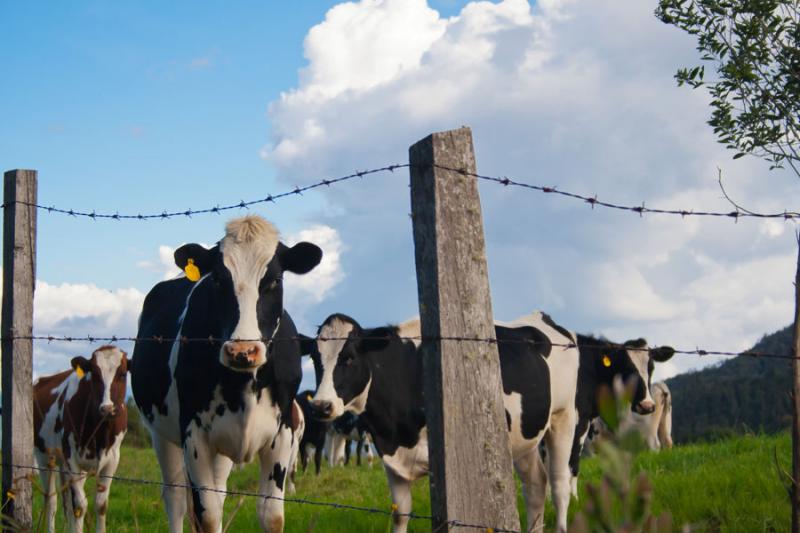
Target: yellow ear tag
x,y
606,361
80,372
309,397
192,272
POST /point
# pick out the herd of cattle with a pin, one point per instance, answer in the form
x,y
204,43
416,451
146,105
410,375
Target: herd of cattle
x,y
232,397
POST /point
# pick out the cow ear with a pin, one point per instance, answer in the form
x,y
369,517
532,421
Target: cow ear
x,y
375,340
300,258
662,353
307,344
195,260
80,362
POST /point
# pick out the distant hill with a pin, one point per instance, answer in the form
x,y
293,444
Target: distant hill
x,y
741,395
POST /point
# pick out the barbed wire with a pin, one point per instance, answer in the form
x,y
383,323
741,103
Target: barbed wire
x,y
216,209
488,340
592,201
642,209
285,499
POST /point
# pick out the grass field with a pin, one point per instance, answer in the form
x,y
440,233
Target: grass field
x,y
731,485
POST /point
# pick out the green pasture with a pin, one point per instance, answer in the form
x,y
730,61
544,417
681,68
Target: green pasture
x,y
731,485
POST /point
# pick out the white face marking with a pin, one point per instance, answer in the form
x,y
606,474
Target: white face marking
x,y
108,361
641,358
249,245
329,354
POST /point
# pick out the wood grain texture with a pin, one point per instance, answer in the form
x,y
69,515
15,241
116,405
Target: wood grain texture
x,y
470,460
19,275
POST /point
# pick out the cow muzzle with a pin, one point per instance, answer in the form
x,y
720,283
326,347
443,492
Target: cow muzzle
x,y
645,407
322,409
108,409
243,356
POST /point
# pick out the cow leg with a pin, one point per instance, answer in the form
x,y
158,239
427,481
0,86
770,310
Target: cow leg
x,y
370,455
559,439
304,457
75,494
201,469
581,431
665,427
170,459
533,475
48,479
346,451
222,470
359,447
401,500
103,490
317,460
274,459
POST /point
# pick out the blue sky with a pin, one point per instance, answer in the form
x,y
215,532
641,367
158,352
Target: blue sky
x,y
149,106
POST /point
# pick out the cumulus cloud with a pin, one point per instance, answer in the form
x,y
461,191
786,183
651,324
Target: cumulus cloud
x,y
573,93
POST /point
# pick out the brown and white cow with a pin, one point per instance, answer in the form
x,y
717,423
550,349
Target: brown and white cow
x,y
80,419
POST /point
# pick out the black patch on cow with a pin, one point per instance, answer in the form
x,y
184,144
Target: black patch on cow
x,y
220,409
278,474
524,370
197,502
549,321
508,419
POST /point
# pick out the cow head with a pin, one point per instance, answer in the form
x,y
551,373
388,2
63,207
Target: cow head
x,y
107,372
632,362
239,287
342,371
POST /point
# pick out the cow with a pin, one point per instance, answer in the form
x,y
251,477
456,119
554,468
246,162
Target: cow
x,y
227,397
315,432
342,432
601,363
376,373
298,430
656,427
79,421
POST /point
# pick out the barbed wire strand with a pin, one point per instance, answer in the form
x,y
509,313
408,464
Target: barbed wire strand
x,y
290,500
214,340
297,191
592,201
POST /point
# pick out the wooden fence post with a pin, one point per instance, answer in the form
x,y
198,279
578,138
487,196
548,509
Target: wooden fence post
x,y
796,403
471,478
19,276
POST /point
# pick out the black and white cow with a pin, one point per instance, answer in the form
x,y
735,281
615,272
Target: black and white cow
x,y
345,430
228,399
656,427
314,435
376,374
601,363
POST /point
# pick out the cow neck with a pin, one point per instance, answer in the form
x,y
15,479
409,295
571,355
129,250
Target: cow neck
x,y
587,377
395,411
82,416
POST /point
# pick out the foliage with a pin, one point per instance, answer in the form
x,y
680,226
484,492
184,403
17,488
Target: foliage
x,y
741,395
621,500
754,46
137,436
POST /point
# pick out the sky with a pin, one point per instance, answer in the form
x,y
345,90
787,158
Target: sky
x,y
144,107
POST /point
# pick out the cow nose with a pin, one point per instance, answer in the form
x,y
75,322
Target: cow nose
x,y
107,409
322,408
646,407
241,354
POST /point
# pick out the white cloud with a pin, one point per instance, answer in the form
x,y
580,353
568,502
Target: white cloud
x,y
315,286
574,93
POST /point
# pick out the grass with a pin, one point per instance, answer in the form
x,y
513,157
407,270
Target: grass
x,y
730,485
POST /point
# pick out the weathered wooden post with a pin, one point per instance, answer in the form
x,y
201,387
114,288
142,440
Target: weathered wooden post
x,y
796,403
19,275
471,476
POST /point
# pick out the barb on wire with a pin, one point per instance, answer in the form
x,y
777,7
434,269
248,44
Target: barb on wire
x,y
642,209
94,215
212,340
